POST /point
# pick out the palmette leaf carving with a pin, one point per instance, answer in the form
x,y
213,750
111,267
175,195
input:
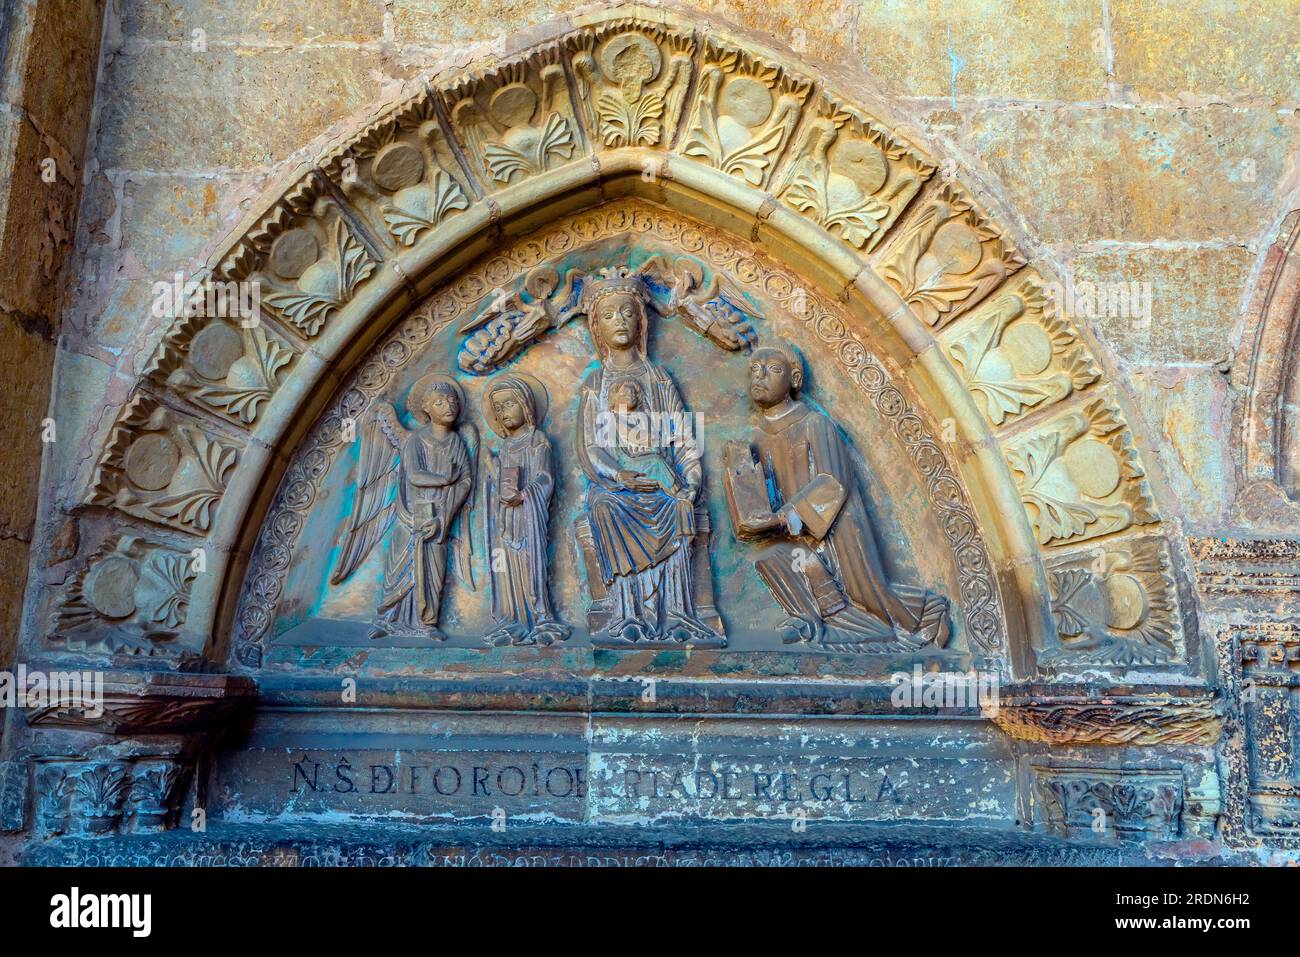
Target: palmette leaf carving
x,y
305,257
131,597
230,367
1114,606
402,173
744,113
163,468
1016,354
1079,475
850,175
517,120
948,258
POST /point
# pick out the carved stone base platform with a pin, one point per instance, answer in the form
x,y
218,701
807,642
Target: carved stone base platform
x,y
767,845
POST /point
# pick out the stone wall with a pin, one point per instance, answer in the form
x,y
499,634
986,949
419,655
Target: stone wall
x,y
1143,155
49,53
1126,143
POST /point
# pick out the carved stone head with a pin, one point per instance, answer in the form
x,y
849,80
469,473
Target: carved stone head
x,y
514,403
615,306
776,373
437,398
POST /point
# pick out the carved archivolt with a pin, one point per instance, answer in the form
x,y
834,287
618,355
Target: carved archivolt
x,y
1268,424
1025,449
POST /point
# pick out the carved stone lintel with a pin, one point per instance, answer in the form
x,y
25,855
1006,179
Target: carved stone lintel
x,y
1151,719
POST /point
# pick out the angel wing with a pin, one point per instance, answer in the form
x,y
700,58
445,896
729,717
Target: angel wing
x,y
709,307
374,505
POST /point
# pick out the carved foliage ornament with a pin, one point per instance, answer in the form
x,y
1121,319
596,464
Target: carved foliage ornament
x,y
140,794
1116,605
745,110
948,258
229,367
131,597
162,467
851,176
402,173
1079,475
517,120
304,255
1270,694
1016,354
1097,802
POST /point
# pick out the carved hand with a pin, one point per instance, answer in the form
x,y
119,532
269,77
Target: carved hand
x,y
515,498
637,481
757,522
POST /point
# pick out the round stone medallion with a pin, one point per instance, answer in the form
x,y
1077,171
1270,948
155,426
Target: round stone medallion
x,y
110,586
215,348
397,166
745,100
151,461
1029,346
1126,602
1094,466
293,252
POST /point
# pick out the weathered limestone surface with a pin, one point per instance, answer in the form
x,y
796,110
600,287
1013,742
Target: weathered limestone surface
x,y
1128,469
50,58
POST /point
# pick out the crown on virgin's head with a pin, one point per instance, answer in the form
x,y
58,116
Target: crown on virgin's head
x,y
611,279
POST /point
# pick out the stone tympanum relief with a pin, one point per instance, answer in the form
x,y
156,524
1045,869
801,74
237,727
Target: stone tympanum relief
x,y
609,382
756,148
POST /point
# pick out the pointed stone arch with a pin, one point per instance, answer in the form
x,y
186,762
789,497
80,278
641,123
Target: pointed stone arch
x,y
1010,403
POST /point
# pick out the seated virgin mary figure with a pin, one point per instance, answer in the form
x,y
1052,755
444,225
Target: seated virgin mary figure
x,y
642,463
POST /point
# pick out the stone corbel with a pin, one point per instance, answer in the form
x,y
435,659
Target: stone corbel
x,y
121,757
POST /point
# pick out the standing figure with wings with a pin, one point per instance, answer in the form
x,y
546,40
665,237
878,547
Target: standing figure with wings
x,y
412,487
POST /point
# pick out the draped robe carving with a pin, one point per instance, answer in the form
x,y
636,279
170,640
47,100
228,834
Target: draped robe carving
x,y
642,490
